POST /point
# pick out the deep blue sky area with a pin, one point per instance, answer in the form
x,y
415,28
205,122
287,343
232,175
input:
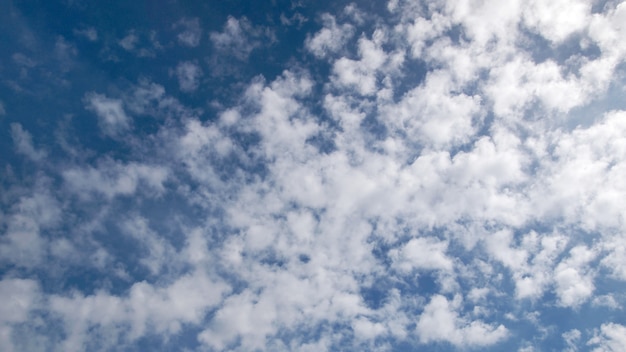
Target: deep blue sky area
x,y
397,175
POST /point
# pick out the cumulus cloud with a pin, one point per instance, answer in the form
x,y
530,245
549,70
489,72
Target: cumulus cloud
x,y
140,43
112,118
572,338
331,38
129,42
161,309
611,337
110,179
191,33
21,296
23,142
23,243
573,285
188,74
240,37
441,322
422,253
409,179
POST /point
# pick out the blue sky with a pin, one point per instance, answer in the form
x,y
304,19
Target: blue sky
x,y
306,176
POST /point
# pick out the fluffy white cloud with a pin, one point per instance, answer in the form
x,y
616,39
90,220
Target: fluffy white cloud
x,y
422,253
582,184
572,339
20,297
146,309
331,38
112,178
611,337
22,243
558,20
299,214
363,74
531,262
433,115
573,284
440,321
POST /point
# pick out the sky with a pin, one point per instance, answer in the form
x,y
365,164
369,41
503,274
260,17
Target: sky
x,y
397,175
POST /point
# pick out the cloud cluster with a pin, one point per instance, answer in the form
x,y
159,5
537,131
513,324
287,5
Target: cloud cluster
x,y
433,189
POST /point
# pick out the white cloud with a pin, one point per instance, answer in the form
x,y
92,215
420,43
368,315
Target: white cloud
x,y
188,74
23,142
557,20
89,33
608,301
22,243
112,118
240,37
147,308
330,39
192,32
365,329
20,296
373,61
299,213
574,284
610,338
147,98
160,253
141,43
422,253
111,179
582,185
433,115
530,262
129,42
441,322
572,338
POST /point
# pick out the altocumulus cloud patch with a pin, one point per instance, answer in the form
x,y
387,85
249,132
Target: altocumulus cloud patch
x,y
297,176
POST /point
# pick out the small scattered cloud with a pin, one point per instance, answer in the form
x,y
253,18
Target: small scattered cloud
x,y
89,33
572,338
141,44
188,74
112,118
441,322
331,38
611,337
129,42
110,179
297,19
191,32
23,142
240,37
